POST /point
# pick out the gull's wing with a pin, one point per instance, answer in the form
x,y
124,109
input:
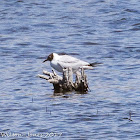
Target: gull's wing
x,y
69,61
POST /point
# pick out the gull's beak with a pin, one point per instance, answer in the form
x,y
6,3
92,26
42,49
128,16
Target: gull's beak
x,y
45,60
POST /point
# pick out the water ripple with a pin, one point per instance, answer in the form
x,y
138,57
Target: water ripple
x,y
95,31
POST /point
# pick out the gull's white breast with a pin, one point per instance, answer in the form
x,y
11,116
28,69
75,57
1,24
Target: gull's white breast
x,y
56,66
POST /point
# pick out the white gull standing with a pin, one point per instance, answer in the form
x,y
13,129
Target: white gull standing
x,y
59,62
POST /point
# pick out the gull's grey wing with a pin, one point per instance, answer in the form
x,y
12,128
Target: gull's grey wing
x,y
69,61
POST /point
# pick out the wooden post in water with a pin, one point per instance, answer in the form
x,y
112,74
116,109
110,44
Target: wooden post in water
x,y
65,83
81,84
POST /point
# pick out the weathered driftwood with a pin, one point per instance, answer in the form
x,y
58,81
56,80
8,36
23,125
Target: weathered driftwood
x,y
65,83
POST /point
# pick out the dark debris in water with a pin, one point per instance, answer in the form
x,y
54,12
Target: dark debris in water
x,y
91,43
129,118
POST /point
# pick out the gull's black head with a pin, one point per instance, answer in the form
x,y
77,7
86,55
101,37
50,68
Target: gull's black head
x,y
49,58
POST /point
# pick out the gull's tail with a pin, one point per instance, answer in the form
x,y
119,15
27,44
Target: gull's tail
x,y
91,65
94,64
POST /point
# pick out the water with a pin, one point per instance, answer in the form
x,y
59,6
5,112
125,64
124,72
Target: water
x,y
101,30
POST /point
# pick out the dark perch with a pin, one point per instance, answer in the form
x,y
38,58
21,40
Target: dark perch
x,y
65,83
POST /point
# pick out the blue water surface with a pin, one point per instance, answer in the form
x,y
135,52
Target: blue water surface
x,y
106,31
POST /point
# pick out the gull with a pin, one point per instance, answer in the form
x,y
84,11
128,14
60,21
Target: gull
x,y
62,61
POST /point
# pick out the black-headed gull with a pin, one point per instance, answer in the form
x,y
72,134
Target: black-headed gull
x,y
59,62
